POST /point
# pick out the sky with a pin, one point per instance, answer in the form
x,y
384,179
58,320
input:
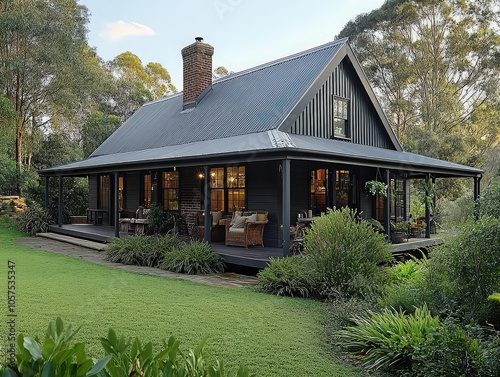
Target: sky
x,y
244,33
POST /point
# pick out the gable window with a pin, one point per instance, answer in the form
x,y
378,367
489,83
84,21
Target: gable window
x,y
170,190
340,117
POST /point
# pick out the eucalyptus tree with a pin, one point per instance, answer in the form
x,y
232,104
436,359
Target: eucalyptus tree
x,y
136,84
42,43
435,67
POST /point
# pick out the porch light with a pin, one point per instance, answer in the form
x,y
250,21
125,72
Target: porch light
x,y
201,175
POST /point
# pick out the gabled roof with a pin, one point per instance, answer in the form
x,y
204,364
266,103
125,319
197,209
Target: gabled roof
x,y
246,116
263,98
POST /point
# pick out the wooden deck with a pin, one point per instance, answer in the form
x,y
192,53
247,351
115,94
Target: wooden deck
x,y
255,256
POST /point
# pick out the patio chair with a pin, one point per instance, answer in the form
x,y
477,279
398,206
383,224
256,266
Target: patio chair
x,y
246,230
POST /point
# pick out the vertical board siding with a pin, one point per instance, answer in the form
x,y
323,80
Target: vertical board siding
x,y
365,125
262,195
132,191
93,187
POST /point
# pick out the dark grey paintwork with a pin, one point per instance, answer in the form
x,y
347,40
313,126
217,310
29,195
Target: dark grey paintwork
x,y
254,145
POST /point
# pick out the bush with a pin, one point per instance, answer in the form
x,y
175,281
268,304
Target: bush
x,y
9,176
448,351
346,253
33,220
489,201
141,250
405,290
161,221
388,339
290,276
193,258
60,356
462,274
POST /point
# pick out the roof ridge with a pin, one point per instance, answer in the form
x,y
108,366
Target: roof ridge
x,y
281,60
261,66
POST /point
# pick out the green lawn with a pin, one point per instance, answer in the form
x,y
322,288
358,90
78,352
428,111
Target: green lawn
x,y
274,336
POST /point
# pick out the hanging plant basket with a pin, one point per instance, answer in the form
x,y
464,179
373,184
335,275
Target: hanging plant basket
x,y
376,188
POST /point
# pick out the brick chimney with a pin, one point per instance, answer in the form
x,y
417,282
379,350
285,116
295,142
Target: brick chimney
x,y
197,70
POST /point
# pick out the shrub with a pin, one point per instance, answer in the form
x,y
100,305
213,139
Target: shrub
x,y
59,356
161,222
449,352
489,202
405,290
462,274
389,338
141,250
290,276
346,253
193,258
131,358
34,220
56,356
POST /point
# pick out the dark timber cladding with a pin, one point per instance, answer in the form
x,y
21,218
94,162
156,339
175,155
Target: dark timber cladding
x,y
364,124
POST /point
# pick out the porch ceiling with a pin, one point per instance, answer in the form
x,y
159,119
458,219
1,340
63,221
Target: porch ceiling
x,y
266,145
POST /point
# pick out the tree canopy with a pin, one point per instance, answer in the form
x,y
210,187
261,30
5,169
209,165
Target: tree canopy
x,y
434,65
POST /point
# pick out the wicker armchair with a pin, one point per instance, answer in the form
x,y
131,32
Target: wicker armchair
x,y
249,232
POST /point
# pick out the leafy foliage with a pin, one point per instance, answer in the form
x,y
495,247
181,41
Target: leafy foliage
x,y
463,273
193,258
130,357
34,220
489,202
404,290
346,253
141,250
388,338
161,221
55,357
434,66
59,357
289,276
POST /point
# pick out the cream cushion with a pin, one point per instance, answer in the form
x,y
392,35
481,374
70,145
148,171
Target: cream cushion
x,y
252,217
239,222
237,230
261,217
216,217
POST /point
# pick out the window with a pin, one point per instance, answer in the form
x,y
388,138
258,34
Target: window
x,y
340,117
104,192
170,190
342,188
397,199
235,187
148,189
319,191
121,193
227,188
217,188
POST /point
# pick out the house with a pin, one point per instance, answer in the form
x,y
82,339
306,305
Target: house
x,y
302,133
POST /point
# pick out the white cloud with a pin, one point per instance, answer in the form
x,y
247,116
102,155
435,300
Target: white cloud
x,y
114,31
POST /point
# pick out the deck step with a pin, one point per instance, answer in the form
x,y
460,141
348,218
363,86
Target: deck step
x,y
74,241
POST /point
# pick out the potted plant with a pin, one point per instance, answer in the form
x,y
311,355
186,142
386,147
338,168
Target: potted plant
x,y
376,188
398,231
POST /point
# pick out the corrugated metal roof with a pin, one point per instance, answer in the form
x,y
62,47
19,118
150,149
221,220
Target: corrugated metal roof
x,y
252,101
268,141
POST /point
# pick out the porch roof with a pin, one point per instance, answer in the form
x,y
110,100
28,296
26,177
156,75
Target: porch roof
x,y
267,145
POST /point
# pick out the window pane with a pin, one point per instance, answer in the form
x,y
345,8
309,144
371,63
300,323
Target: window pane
x,y
217,200
148,187
121,192
171,190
